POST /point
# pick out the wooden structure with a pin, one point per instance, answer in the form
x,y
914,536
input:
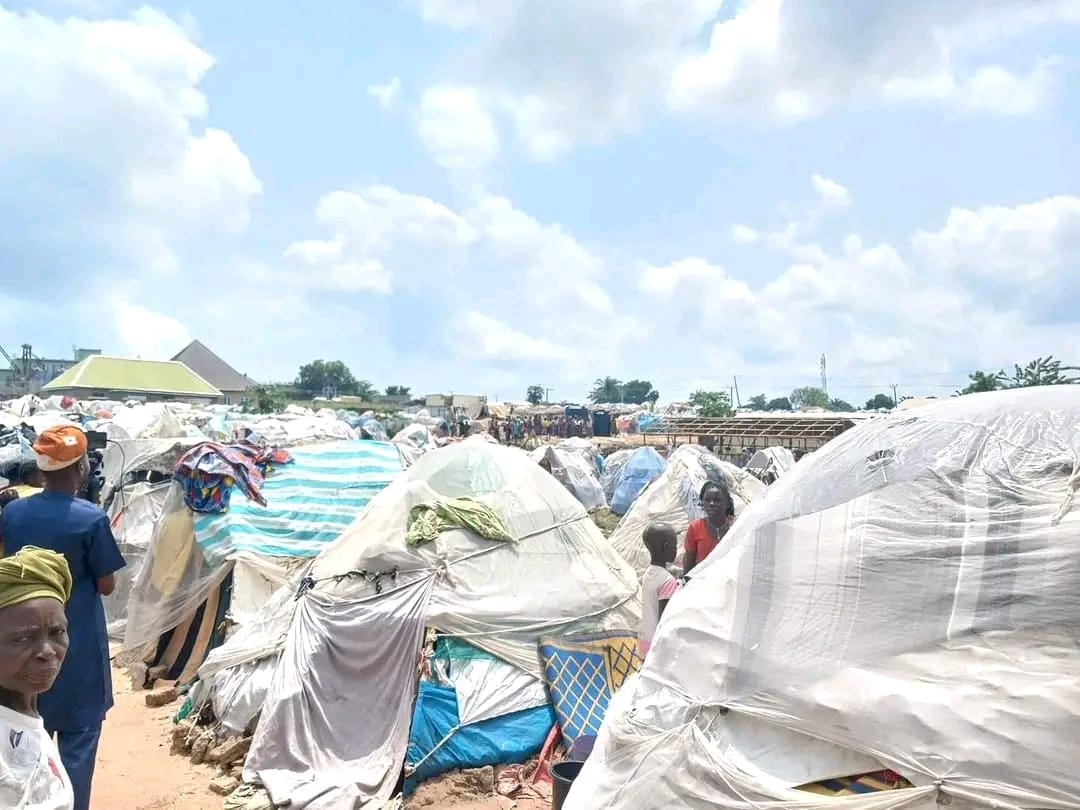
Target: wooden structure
x,y
733,436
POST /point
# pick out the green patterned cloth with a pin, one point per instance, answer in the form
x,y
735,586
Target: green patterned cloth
x,y
428,520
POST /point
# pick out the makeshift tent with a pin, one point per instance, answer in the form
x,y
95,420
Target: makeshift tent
x,y
771,463
640,470
335,725
673,498
573,472
200,566
906,599
613,465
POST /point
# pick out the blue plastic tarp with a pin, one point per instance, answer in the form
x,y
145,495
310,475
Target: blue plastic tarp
x,y
643,467
502,740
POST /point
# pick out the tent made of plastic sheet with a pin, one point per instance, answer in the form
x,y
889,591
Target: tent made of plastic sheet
x,y
640,470
771,463
417,436
132,515
371,590
673,499
574,472
309,502
613,465
906,598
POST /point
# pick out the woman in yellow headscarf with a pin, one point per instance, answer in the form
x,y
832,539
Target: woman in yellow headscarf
x,y
35,584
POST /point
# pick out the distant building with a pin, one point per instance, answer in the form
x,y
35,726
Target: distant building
x,y
233,385
118,378
446,406
42,370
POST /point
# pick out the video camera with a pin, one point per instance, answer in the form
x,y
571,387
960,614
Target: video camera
x,y
96,442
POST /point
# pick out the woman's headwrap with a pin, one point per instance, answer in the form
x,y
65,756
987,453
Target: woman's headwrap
x,y
34,573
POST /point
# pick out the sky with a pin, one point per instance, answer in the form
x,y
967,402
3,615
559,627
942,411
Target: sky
x,y
475,196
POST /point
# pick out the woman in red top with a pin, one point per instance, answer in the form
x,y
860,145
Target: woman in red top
x,y
705,534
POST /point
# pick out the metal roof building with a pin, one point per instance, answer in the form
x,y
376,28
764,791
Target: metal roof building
x,y
231,383
118,378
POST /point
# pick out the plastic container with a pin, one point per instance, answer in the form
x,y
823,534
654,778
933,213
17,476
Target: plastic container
x,y
562,776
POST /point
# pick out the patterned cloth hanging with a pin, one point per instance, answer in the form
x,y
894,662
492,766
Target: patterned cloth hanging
x,y
210,470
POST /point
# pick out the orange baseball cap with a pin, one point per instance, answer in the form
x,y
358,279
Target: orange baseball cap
x,y
59,447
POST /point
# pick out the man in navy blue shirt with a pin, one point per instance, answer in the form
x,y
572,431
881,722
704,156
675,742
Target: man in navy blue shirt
x,y
75,707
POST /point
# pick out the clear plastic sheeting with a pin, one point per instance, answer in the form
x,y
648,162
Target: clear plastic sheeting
x,y
124,456
771,463
907,598
673,498
132,517
613,465
573,472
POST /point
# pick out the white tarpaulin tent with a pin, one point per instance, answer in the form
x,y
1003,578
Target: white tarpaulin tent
x,y
673,498
335,723
574,472
771,463
906,598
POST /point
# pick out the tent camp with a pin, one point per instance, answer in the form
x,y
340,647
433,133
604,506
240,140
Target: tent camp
x,y
894,626
367,608
613,464
673,498
771,463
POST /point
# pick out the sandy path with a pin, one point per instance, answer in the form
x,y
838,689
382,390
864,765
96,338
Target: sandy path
x,y
135,770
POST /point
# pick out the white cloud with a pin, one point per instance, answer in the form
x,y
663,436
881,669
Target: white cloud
x,y
387,93
832,194
567,73
107,171
456,129
148,334
495,342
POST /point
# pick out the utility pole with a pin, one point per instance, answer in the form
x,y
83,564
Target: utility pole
x,y
547,395
895,401
738,401
824,376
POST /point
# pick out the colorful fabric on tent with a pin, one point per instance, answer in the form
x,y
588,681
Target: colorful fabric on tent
x,y
858,785
209,471
308,502
428,520
582,672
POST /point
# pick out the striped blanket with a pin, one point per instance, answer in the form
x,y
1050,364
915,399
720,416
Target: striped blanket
x,y
308,503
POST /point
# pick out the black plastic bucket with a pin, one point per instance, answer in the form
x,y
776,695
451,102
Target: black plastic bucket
x,y
562,776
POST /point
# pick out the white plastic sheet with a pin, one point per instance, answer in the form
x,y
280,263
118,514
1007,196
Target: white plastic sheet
x,y
132,517
906,597
575,473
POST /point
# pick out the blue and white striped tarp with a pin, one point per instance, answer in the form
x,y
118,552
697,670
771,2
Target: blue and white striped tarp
x,y
308,502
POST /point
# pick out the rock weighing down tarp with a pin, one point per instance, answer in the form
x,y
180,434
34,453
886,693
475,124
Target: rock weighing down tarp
x,y
907,598
354,633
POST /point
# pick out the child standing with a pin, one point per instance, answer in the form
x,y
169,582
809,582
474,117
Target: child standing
x,y
659,585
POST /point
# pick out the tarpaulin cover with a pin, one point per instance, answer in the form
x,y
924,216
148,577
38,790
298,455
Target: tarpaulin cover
x,y
673,498
439,742
308,502
335,727
613,465
582,673
640,470
907,597
575,472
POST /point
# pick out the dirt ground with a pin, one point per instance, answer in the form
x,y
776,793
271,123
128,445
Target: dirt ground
x,y
135,770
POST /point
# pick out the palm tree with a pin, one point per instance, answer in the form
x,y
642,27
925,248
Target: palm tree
x,y
606,390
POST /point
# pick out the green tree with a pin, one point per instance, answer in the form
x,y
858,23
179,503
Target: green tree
x,y
265,399
639,392
880,402
809,397
758,402
535,394
981,381
398,391
321,377
711,403
841,406
779,404
1042,371
606,391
